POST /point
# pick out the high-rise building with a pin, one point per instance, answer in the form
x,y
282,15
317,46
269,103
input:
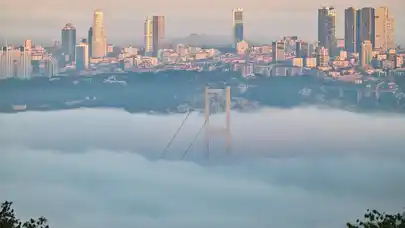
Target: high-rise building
x,y
90,40
380,28
82,55
158,33
99,39
365,26
366,54
15,62
391,42
237,17
154,34
278,49
148,36
351,29
69,42
327,28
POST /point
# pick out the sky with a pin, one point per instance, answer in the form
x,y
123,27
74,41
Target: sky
x,y
264,19
301,167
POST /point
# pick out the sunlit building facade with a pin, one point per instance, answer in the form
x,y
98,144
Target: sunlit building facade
x,y
154,34
15,63
148,36
380,28
99,38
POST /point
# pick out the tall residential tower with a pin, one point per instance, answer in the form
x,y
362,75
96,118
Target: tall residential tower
x,y
237,16
380,28
158,31
99,39
351,29
69,42
154,34
366,26
327,29
148,34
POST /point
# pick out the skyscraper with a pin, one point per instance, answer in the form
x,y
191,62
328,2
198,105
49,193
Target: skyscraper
x,y
351,29
380,28
99,39
82,55
154,34
366,26
237,17
391,42
90,40
158,33
327,29
69,41
148,35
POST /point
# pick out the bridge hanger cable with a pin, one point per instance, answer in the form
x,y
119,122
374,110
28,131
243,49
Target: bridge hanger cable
x,y
195,138
175,134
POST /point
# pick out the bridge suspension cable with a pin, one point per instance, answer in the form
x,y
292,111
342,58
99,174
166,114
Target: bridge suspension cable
x,y
175,134
195,138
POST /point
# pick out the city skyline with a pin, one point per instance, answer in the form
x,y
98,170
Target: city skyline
x,y
257,14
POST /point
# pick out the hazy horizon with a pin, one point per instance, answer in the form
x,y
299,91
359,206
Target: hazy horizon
x,y
41,21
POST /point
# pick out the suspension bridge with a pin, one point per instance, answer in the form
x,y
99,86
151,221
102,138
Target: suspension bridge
x,y
212,96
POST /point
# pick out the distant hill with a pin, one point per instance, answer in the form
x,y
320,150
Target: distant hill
x,y
202,40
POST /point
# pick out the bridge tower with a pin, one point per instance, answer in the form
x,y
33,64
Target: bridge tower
x,y
209,131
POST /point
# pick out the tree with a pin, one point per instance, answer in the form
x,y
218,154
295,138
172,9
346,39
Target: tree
x,y
375,219
8,219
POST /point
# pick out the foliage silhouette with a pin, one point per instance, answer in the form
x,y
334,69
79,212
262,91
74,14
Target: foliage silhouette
x,y
8,219
375,219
